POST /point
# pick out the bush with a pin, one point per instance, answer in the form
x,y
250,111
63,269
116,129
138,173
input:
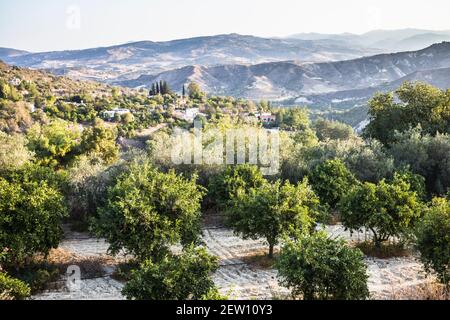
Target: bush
x,y
224,185
319,268
387,209
331,180
147,211
11,288
183,277
30,221
433,240
54,144
13,152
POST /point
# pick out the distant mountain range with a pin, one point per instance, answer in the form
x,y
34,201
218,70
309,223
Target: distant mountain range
x,y
323,71
386,40
320,84
131,60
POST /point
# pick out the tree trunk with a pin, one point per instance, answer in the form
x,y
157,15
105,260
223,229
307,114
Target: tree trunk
x,y
271,246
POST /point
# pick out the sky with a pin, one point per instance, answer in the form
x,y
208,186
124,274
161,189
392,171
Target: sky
x,y
48,25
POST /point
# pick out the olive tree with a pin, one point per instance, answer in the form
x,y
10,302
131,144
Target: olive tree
x,y
272,210
317,267
147,211
13,152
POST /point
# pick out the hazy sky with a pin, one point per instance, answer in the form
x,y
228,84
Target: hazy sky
x,y
74,24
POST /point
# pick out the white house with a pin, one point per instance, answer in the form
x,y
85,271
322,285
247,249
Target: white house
x,y
266,117
111,114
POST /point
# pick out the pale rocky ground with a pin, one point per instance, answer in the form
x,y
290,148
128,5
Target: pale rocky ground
x,y
236,278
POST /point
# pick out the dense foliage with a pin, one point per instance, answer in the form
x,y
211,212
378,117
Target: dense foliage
x,y
419,103
147,211
176,277
30,220
433,240
12,289
387,209
331,180
272,210
319,268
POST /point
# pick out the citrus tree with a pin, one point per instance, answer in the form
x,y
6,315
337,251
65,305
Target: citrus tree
x,y
147,211
317,267
433,240
272,210
388,209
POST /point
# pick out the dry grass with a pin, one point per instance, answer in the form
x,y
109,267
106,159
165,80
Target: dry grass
x,y
4,296
427,291
260,259
385,251
90,267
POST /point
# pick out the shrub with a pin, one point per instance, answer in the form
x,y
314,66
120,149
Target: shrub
x,y
319,268
183,277
31,219
331,180
11,288
147,211
55,143
13,152
433,240
224,185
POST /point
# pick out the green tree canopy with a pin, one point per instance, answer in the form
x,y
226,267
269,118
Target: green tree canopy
x,y
419,104
224,185
272,210
331,180
30,220
147,211
388,209
100,141
319,268
433,240
54,143
176,277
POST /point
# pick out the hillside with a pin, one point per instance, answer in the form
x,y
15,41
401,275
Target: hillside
x,y
303,82
130,60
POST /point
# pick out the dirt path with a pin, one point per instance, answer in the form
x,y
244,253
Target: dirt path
x,y
247,282
235,277
99,288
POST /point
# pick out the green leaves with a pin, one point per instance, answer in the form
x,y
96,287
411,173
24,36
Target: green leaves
x,y
317,267
175,277
31,219
271,210
433,240
332,180
387,209
12,289
147,211
420,103
54,143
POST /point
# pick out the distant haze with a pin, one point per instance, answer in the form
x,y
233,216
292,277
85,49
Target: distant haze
x,y
48,25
